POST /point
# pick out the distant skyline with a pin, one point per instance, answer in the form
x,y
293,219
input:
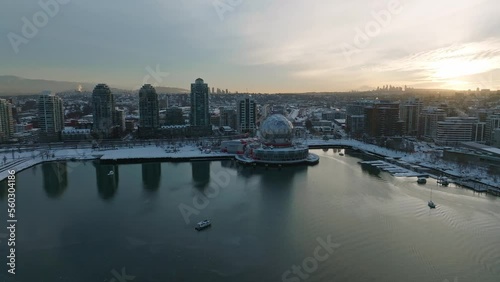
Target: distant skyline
x,y
259,46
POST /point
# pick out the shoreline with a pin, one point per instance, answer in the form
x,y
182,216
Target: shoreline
x,y
191,154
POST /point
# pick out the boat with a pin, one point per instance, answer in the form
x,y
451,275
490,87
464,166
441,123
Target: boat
x,y
421,180
111,172
443,181
203,224
431,203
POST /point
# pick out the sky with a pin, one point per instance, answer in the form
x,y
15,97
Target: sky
x,y
267,46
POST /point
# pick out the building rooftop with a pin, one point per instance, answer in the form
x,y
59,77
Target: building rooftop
x,y
482,147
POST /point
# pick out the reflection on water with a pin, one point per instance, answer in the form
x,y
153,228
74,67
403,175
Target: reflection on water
x,y
280,176
372,170
34,169
3,189
55,178
228,163
151,176
107,180
273,217
283,174
200,174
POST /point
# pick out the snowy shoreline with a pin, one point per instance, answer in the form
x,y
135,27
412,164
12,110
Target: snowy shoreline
x,y
19,161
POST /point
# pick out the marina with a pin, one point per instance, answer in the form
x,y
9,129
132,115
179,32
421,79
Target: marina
x,y
392,168
444,181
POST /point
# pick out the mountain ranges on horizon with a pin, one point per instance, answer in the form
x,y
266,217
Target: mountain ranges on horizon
x,y
14,85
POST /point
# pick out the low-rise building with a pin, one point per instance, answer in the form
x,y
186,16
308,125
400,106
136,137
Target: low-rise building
x,y
174,116
355,125
71,133
454,130
492,123
429,119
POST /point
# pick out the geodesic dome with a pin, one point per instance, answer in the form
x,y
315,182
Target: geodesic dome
x,y
276,128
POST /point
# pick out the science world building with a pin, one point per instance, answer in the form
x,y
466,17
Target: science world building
x,y
275,145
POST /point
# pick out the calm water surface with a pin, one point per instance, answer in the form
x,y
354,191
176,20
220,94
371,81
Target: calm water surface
x,y
77,223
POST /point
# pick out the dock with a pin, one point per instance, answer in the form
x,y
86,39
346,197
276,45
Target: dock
x,y
393,169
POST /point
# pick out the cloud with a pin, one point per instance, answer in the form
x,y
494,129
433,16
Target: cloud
x,y
460,63
278,45
425,42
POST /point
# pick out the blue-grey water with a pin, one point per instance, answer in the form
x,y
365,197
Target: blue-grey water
x,y
77,223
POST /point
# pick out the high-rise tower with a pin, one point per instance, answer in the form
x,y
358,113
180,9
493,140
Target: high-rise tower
x,y
149,115
200,115
103,105
6,120
247,114
50,116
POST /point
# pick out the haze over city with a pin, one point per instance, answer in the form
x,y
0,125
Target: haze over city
x,y
258,46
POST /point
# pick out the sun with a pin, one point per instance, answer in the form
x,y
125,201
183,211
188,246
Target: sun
x,y
457,68
456,84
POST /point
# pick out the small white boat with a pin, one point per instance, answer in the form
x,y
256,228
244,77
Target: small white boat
x,y
203,224
111,172
431,203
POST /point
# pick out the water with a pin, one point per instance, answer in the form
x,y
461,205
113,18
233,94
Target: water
x,y
77,223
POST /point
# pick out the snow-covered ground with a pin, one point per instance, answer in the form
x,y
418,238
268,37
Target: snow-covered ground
x,y
153,152
19,161
23,160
